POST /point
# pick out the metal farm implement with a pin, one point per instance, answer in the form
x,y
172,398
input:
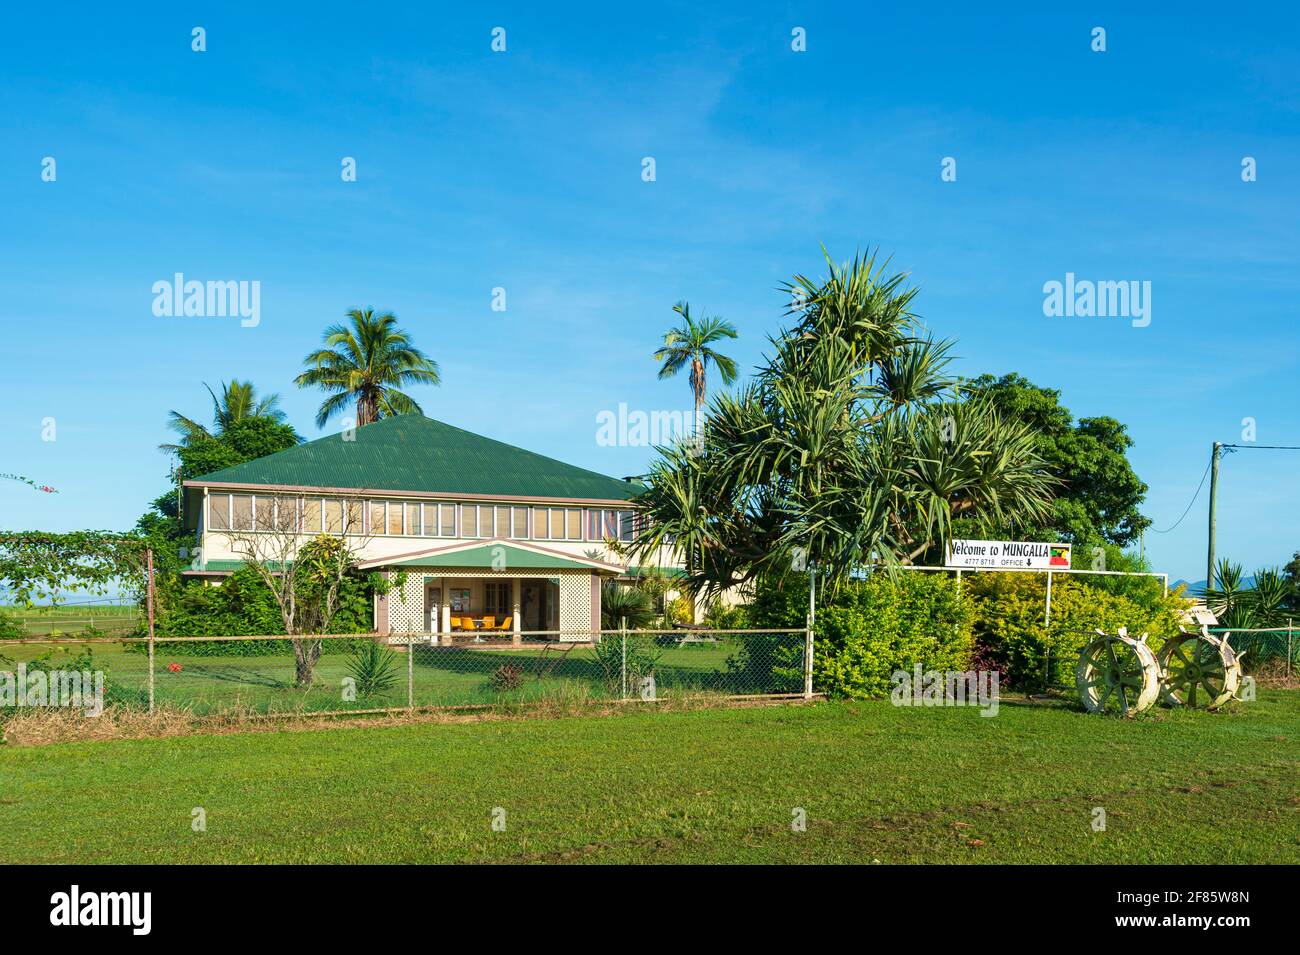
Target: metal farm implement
x,y
1120,674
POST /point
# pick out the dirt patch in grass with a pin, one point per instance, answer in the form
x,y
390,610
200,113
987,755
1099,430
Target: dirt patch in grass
x,y
43,727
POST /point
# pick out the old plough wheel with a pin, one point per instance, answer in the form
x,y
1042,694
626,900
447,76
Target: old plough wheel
x,y
1199,670
1117,674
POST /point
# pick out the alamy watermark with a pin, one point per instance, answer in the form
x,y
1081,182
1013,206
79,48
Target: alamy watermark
x,y
193,299
130,909
946,688
634,428
1084,298
53,688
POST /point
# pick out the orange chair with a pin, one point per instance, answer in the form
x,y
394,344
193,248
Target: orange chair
x,y
489,623
455,623
505,623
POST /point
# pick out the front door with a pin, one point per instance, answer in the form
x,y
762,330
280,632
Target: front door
x,y
532,599
540,604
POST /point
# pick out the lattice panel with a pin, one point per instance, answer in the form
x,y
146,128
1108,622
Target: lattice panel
x,y
406,606
575,606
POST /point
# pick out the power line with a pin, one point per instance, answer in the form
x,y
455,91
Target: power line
x,y
1233,447
1189,504
1263,447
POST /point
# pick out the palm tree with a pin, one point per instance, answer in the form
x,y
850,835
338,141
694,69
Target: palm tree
x,y
367,360
238,401
689,343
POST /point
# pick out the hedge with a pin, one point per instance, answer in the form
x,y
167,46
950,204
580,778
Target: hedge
x,y
244,606
1010,632
867,629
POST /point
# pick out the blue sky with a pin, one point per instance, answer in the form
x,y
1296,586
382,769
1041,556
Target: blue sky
x,y
522,170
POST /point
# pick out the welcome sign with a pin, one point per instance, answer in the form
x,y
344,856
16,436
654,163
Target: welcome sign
x,y
1018,554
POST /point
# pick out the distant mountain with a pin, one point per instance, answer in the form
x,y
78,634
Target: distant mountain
x,y
1194,587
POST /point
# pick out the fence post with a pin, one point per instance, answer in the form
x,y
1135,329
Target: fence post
x,y
622,679
1288,647
148,562
808,635
1047,618
410,672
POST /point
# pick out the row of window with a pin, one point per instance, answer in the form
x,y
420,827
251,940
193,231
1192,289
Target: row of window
x,y
332,515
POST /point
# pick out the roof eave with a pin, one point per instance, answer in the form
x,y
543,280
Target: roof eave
x,y
392,492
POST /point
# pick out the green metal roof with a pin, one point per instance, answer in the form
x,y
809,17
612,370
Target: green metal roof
x,y
222,565
490,556
635,571
414,453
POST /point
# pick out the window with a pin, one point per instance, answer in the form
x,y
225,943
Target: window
x,y
459,599
333,516
355,522
497,598
557,523
264,512
376,518
503,521
395,518
219,512
468,520
602,525
519,523
311,515
413,524
540,524
241,512
485,528
447,520
573,525
626,519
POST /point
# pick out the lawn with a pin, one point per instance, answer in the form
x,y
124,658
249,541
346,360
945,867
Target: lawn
x,y
443,676
877,783
71,620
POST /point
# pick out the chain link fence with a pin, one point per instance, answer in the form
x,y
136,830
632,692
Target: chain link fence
x,y
364,673
1264,644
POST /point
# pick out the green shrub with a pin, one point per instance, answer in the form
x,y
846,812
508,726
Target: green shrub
x,y
865,630
680,611
10,628
879,625
244,606
619,603
722,617
1009,623
373,667
629,657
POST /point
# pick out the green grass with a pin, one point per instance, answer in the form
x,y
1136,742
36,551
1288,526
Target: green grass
x,y
443,676
71,620
877,782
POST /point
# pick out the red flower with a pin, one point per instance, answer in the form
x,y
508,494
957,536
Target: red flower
x,y
174,667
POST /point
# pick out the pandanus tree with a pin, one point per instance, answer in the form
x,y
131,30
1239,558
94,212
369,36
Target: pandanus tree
x,y
368,360
851,444
1264,603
